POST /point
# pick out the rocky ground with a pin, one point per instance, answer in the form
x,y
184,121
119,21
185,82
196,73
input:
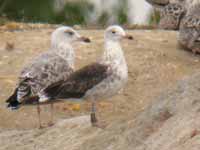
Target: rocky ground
x,y
158,109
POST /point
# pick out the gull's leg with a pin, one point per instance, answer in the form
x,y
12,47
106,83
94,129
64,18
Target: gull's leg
x,y
39,118
93,113
93,119
52,111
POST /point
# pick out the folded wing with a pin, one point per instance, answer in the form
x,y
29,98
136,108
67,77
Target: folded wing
x,y
79,82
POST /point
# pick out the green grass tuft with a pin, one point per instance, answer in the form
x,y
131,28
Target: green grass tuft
x,y
122,12
29,10
74,13
155,18
103,19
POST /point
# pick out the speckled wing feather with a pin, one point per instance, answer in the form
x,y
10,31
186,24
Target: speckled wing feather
x,y
79,82
45,70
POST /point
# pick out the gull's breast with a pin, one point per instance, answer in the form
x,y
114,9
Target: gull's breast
x,y
112,84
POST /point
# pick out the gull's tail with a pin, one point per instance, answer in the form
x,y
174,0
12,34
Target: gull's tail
x,y
20,93
12,101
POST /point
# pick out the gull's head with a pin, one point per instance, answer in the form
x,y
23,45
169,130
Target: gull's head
x,y
116,33
67,35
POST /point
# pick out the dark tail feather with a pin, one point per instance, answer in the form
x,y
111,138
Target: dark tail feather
x,y
12,101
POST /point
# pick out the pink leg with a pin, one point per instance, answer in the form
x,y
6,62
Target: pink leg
x,y
52,111
94,121
39,118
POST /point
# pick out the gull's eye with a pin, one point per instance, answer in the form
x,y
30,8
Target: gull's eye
x,y
113,32
70,33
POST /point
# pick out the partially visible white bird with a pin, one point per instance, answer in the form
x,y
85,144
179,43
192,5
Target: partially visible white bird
x,y
51,66
99,80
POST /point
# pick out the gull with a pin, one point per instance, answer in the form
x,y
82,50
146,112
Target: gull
x,y
53,65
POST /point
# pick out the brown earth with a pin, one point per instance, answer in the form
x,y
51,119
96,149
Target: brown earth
x,y
156,63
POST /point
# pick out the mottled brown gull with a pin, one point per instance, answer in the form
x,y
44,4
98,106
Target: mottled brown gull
x,y
51,66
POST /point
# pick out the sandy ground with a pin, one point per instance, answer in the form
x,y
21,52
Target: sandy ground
x,y
155,63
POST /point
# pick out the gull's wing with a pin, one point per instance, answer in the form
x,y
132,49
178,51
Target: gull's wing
x,y
45,70
40,73
79,82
